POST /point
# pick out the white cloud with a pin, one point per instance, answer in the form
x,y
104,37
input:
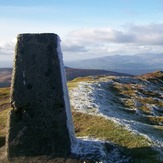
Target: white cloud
x,y
150,34
70,45
7,48
97,42
108,41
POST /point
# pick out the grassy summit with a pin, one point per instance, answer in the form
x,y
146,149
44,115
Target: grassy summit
x,y
127,115
126,111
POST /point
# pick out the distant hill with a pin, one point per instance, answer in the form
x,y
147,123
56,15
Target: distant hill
x,y
71,73
5,77
74,73
135,64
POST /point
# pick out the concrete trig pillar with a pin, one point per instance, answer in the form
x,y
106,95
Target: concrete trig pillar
x,y
40,122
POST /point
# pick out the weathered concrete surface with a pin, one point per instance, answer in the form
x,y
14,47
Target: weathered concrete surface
x,y
38,121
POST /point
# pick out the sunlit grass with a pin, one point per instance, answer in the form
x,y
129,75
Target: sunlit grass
x,y
145,109
150,100
156,120
3,122
135,145
99,127
129,103
4,102
150,93
72,85
82,79
4,93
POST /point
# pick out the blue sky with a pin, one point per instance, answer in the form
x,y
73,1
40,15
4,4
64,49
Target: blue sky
x,y
88,28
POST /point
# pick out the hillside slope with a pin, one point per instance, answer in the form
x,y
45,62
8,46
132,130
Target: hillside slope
x,y
133,103
73,73
116,119
5,77
131,64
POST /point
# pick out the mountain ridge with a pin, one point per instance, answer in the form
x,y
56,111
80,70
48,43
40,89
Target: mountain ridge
x,y
131,64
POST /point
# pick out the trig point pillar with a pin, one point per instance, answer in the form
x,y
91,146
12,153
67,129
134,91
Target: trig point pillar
x,y
40,122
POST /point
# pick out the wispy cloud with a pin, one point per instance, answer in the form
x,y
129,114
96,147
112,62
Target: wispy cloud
x,y
150,35
70,45
7,48
108,41
97,42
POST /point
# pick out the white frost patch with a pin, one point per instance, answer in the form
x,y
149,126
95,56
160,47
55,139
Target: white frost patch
x,y
95,98
94,149
87,147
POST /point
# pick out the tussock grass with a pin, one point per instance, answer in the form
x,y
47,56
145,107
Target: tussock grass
x,y
150,100
3,121
4,93
133,94
72,85
82,79
159,128
125,89
156,120
150,93
145,109
4,102
129,103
